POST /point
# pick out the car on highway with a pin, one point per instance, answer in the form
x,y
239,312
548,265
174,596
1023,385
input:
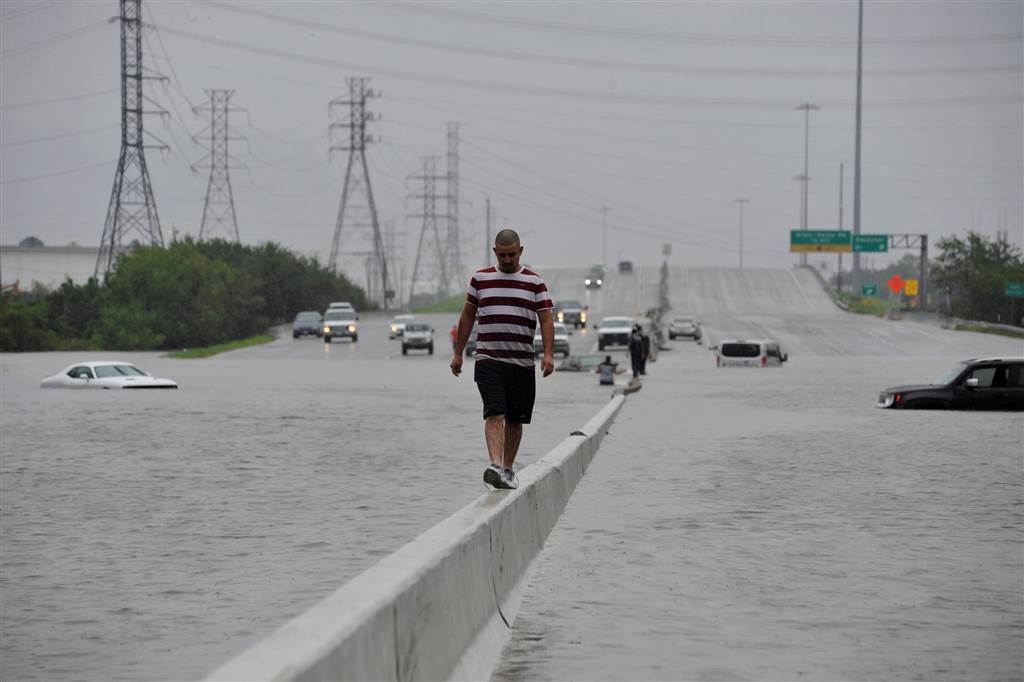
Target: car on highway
x,y
614,331
105,374
750,353
308,322
595,278
419,336
977,384
398,325
571,312
339,323
560,344
626,267
684,326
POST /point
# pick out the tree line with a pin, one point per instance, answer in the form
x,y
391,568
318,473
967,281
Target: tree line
x,y
186,295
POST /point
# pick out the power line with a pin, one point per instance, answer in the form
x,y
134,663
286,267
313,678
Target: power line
x,y
62,136
667,100
55,174
56,100
49,42
788,41
603,64
19,13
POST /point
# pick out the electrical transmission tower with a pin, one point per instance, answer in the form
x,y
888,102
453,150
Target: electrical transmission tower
x,y
453,248
429,231
219,207
132,207
357,177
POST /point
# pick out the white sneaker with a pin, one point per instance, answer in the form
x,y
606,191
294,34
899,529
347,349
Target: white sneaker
x,y
493,477
509,478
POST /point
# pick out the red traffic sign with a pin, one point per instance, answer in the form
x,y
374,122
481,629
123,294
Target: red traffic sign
x,y
896,284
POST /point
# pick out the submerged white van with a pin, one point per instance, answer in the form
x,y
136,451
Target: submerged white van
x,y
750,353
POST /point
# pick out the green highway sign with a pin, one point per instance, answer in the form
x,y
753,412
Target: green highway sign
x,y
869,289
877,243
1015,289
828,241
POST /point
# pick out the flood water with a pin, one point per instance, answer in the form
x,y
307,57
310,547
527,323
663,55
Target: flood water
x,y
155,534
774,525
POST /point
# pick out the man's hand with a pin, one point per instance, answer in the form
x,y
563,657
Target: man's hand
x,y
547,364
457,364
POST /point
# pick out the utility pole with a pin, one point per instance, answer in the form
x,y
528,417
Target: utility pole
x,y
807,108
219,207
604,248
856,159
741,201
132,206
839,273
429,227
357,174
453,248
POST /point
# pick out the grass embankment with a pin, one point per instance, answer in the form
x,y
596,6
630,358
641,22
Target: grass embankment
x,y
452,304
189,353
988,330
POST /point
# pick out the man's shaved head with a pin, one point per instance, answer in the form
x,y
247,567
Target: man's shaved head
x,y
506,237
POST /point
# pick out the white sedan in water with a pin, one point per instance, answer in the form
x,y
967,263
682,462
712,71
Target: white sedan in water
x,y
105,374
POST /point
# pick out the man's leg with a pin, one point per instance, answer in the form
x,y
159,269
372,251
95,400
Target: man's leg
x,y
494,434
513,434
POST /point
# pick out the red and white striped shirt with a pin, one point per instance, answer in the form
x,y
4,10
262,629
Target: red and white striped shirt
x,y
507,306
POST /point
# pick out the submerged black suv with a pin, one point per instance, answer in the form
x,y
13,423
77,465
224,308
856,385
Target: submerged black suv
x,y
978,384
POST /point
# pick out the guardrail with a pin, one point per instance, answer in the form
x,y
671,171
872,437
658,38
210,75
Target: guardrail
x,y
440,607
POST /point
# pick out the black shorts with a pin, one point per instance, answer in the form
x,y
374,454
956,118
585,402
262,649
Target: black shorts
x,y
506,389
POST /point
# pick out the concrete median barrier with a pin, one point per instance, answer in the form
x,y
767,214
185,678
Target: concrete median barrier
x,y
441,606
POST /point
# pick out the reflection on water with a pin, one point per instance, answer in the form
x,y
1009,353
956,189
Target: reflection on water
x,y
153,534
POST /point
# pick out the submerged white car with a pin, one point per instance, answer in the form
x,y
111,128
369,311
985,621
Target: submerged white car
x,y
105,374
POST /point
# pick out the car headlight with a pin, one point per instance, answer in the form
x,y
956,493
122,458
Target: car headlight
x,y
327,330
583,317
561,316
351,327
394,327
598,282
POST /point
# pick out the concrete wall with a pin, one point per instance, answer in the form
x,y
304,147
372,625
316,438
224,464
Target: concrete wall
x,y
441,606
46,265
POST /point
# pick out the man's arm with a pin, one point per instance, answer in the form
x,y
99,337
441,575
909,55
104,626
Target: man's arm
x,y
547,334
466,320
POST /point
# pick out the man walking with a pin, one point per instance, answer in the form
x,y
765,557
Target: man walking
x,y
507,301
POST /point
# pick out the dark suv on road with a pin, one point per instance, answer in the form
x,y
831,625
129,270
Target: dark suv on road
x,y
571,313
977,384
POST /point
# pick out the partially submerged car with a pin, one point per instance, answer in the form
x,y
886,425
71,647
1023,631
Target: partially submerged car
x,y
307,322
580,363
561,341
750,353
105,374
418,335
976,384
398,325
614,331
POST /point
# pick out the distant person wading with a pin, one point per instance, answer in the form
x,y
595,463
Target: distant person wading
x,y
510,300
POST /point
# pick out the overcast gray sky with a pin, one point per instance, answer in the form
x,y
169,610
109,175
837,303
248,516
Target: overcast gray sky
x,y
663,112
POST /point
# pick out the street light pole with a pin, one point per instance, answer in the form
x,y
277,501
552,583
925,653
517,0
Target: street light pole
x,y
807,108
856,161
741,201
